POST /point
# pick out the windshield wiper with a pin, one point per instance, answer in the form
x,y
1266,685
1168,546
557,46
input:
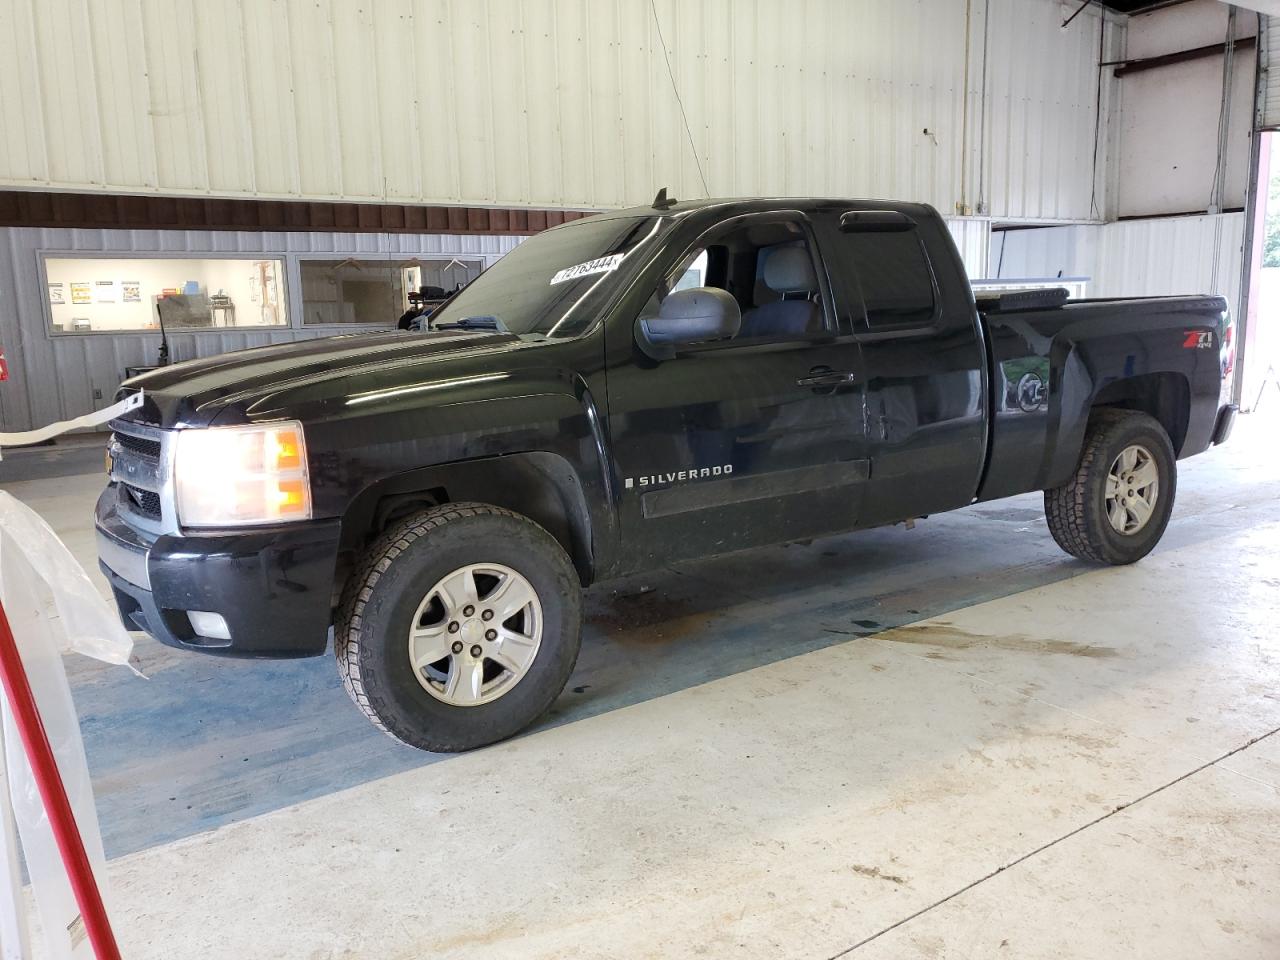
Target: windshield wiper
x,y
472,323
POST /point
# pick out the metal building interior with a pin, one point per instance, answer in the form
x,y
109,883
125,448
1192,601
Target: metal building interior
x,y
939,736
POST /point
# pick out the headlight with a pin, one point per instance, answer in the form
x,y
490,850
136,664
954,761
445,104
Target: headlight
x,y
227,476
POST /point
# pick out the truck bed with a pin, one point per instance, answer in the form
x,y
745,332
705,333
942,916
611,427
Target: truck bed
x,y
1051,360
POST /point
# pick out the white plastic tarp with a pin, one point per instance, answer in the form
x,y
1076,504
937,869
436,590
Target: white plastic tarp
x,y
53,608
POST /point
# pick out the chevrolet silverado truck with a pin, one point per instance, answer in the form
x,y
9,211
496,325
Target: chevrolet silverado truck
x,y
619,393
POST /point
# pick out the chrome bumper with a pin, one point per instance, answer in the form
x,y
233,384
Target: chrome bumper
x,y
120,548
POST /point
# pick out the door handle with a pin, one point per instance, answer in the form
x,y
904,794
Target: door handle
x,y
819,377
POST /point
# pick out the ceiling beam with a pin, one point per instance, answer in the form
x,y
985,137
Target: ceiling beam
x,y
1126,67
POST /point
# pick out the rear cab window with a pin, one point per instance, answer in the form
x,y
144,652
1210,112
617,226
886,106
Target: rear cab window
x,y
889,277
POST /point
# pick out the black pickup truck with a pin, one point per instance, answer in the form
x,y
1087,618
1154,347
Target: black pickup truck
x,y
621,392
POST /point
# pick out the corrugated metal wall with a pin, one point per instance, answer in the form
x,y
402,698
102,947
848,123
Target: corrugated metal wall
x,y
555,103
1042,86
1171,255
1270,45
1133,258
54,377
973,239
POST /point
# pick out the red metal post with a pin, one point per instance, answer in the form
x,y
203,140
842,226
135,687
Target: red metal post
x,y
54,795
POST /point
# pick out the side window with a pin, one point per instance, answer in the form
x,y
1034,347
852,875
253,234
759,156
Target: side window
x,y
768,267
895,277
694,275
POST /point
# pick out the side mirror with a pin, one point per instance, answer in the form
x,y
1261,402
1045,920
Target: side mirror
x,y
686,317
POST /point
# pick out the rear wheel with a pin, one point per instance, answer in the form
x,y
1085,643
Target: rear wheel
x,y
1116,507
460,627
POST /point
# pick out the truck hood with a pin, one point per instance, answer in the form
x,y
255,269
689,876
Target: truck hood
x,y
194,392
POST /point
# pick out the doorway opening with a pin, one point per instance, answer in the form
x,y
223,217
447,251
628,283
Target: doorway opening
x,y
1259,353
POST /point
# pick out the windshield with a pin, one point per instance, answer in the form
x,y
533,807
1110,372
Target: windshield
x,y
555,283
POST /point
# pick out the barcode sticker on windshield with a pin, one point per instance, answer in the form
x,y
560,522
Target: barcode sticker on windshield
x,y
603,265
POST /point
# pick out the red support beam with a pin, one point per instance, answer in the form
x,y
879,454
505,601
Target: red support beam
x,y
54,795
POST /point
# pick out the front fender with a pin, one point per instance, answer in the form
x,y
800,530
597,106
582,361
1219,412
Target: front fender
x,y
541,438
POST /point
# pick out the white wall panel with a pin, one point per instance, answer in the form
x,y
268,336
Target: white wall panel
x,y
1133,258
973,240
1270,47
1171,255
555,103
1168,138
53,377
1040,120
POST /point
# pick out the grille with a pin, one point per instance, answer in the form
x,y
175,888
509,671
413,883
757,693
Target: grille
x,y
143,501
139,445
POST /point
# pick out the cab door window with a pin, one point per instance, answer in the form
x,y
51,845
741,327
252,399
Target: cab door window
x,y
768,267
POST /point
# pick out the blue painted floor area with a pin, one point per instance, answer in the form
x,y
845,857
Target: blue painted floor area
x,y
205,741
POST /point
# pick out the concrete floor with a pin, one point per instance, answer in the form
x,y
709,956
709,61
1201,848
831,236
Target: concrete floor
x,y
949,742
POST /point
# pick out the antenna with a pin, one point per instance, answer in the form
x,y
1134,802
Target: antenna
x,y
662,202
163,359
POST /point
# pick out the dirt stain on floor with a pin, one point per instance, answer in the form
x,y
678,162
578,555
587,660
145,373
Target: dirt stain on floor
x,y
950,637
648,617
874,873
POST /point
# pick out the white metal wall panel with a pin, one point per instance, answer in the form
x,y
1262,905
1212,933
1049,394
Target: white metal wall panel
x,y
1271,92
557,103
973,240
1041,116
1135,258
1171,255
53,377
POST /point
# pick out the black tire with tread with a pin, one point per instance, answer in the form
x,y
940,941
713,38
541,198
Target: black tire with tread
x,y
370,633
1076,511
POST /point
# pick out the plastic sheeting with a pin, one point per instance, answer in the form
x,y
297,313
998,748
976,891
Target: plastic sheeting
x,y
53,608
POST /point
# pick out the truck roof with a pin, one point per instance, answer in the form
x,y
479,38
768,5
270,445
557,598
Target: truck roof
x,y
734,205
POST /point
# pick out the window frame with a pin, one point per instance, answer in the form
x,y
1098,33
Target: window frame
x,y
295,281
866,330
827,301
44,255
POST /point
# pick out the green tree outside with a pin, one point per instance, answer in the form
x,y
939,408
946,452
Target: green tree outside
x,y
1271,239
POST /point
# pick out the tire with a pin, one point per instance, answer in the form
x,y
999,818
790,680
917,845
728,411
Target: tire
x,y
1081,517
394,589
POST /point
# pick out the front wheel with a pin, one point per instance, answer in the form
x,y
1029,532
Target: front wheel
x,y
460,627
1116,507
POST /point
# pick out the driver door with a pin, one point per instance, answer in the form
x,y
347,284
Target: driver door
x,y
754,439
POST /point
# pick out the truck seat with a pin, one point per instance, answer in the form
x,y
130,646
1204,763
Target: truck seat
x,y
789,272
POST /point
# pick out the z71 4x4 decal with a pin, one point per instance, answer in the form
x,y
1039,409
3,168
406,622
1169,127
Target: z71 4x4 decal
x,y
1198,340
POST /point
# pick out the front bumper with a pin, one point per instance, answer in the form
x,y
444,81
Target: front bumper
x,y
273,586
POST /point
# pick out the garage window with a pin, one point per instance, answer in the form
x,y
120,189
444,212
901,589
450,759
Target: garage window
x,y
103,295
375,292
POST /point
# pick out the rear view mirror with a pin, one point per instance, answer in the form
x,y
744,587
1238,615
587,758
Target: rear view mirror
x,y
875,221
686,317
